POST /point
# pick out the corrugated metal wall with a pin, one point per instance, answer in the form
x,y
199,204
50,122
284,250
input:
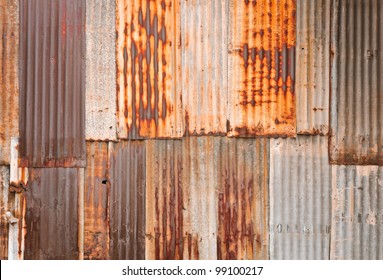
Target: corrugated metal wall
x,y
119,73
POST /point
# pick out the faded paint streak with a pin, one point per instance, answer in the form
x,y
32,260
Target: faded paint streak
x,y
149,103
4,185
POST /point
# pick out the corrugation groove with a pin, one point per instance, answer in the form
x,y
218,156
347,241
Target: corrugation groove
x,y
204,66
127,200
96,229
357,213
52,83
261,97
9,88
149,100
313,66
51,214
356,87
4,184
164,191
243,199
101,121
300,198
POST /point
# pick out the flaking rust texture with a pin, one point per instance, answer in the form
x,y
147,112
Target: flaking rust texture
x,y
261,99
149,98
9,87
97,184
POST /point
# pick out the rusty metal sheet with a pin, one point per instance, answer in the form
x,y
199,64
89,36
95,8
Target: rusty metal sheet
x,y
204,66
101,121
261,97
300,198
51,216
9,87
127,200
96,210
164,207
52,83
313,66
357,213
356,83
4,185
148,68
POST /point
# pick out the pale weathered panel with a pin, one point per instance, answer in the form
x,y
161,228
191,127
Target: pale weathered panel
x,y
4,185
313,66
204,66
100,85
356,82
148,60
357,212
262,68
300,198
9,84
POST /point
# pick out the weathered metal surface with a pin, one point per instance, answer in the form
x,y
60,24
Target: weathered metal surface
x,y
127,200
4,186
97,184
313,66
52,213
148,68
204,66
9,87
164,195
243,199
101,121
357,212
52,83
356,83
261,99
300,198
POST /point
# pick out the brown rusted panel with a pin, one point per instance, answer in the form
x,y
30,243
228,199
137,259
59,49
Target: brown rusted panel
x,y
51,214
164,224
9,87
149,98
261,99
356,118
52,83
96,228
243,199
4,184
127,200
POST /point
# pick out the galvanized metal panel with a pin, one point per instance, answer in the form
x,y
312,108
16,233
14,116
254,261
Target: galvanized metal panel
x,y
164,195
243,199
9,87
52,83
300,198
261,97
51,199
357,212
101,121
148,66
204,66
4,186
313,66
356,83
96,209
127,200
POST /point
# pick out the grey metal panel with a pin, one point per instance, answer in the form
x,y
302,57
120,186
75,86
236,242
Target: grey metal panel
x,y
356,82
204,66
357,212
313,66
300,198
52,83
50,209
127,200
9,87
4,185
101,120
